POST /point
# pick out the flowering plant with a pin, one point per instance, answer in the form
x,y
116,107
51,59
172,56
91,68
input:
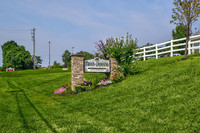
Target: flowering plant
x,y
61,90
122,49
64,89
82,86
87,83
106,82
117,77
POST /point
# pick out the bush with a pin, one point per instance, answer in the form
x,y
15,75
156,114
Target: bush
x,y
117,77
95,82
121,49
80,88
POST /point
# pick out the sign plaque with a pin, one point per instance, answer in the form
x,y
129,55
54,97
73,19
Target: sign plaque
x,y
97,65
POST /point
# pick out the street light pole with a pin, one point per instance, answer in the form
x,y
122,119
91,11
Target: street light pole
x,y
33,48
49,54
72,49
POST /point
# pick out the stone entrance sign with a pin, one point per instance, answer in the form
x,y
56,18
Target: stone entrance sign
x,y
97,65
79,66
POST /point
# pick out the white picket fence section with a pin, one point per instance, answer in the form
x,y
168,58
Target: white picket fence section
x,y
162,46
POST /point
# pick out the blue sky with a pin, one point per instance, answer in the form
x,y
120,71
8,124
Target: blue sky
x,y
79,23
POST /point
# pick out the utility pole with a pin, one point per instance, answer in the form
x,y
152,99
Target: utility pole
x,y
49,54
33,48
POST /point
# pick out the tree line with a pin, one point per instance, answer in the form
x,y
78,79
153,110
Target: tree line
x,y
66,58
16,56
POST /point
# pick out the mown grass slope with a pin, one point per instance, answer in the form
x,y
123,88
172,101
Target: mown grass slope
x,y
163,97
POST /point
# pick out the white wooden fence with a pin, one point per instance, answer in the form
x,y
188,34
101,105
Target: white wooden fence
x,y
157,47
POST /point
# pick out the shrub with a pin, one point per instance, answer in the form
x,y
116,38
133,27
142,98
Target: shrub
x,y
80,88
121,49
95,82
117,77
87,83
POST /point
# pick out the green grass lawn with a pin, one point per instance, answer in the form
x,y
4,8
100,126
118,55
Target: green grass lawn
x,y
163,97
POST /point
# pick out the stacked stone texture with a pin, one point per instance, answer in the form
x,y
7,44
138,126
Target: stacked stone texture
x,y
114,66
77,68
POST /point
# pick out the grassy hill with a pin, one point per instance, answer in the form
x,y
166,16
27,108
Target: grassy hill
x,y
163,97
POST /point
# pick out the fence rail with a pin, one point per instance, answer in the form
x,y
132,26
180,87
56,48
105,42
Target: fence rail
x,y
158,48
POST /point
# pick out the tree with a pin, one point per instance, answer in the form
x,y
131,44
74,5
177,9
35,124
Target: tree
x,y
87,55
177,33
66,58
16,56
186,12
38,61
56,65
149,44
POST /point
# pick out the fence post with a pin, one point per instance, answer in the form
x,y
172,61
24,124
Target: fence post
x,y
156,51
144,54
171,48
189,47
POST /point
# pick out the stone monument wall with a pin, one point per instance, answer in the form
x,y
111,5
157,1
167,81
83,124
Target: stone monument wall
x,y
113,66
77,69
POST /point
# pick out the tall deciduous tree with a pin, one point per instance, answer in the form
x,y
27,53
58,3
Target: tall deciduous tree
x,y
17,56
38,61
177,33
66,58
56,65
87,55
186,12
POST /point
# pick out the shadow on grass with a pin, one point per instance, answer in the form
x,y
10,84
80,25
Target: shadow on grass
x,y
36,110
8,74
32,105
47,81
21,114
